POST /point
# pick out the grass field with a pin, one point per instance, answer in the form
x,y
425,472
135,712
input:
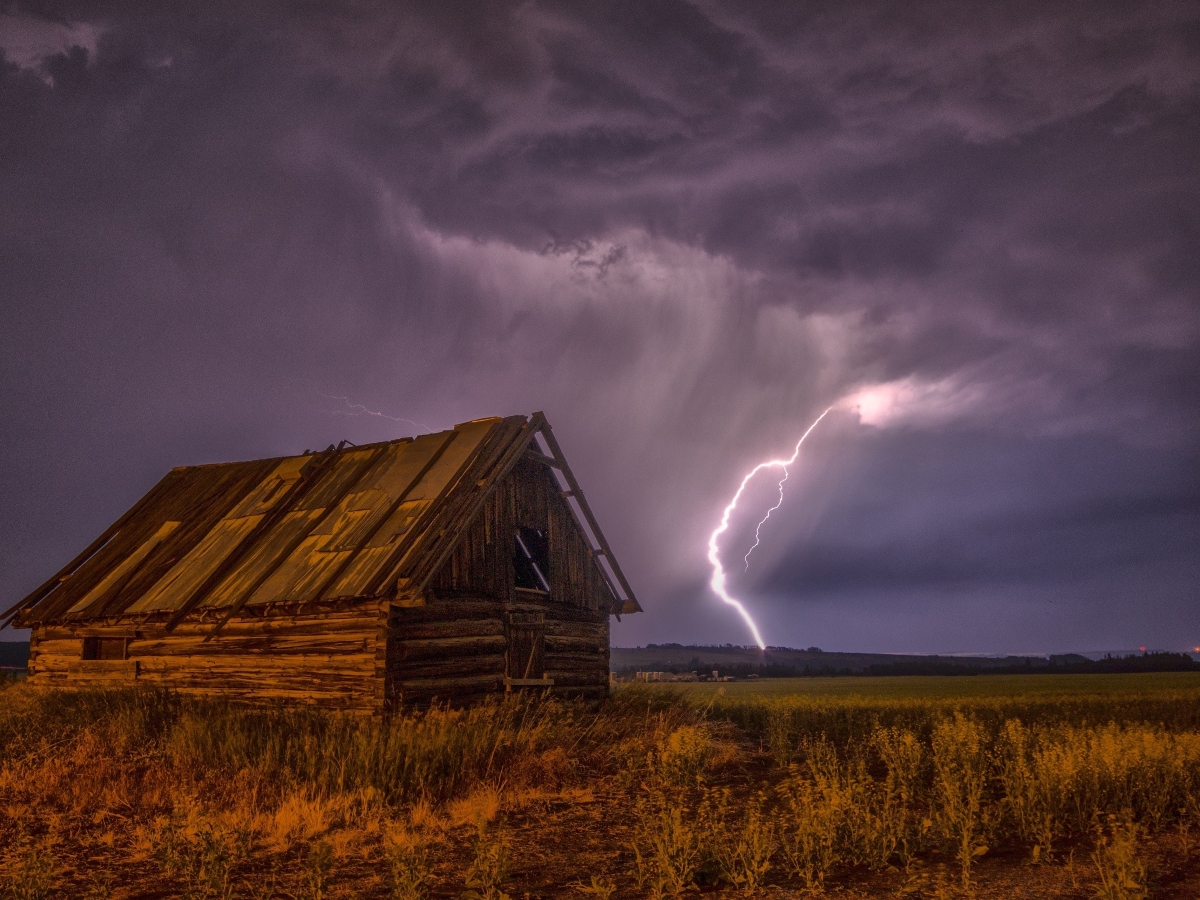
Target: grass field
x,y
944,687
977,786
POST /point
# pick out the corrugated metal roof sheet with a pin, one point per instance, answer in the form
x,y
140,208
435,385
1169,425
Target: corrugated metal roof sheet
x,y
349,522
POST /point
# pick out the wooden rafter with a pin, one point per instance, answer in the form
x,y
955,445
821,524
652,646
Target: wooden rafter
x,y
630,603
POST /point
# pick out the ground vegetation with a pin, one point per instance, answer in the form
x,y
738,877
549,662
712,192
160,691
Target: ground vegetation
x,y
1081,788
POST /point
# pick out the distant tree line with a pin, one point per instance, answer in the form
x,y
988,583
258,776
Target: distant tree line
x,y
1068,664
1147,662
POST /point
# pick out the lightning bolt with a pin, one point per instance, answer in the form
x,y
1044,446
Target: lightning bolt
x,y
718,577
763,520
357,409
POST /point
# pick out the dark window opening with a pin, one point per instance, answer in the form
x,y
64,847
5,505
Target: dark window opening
x,y
531,559
104,648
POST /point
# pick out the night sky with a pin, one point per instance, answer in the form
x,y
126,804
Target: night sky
x,y
239,230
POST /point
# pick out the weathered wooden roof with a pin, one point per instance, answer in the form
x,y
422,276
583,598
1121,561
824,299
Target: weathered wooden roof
x,y
370,521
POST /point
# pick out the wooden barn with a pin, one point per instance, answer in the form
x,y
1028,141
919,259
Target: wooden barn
x,y
446,566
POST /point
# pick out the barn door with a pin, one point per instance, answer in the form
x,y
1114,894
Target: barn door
x,y
526,646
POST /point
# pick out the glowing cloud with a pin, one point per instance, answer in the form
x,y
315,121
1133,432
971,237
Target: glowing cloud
x,y
29,40
910,401
717,583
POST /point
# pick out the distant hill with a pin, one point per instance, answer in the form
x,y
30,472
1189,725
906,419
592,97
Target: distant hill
x,y
787,662
14,654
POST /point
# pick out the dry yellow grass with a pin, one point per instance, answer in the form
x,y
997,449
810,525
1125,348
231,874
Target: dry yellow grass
x,y
143,794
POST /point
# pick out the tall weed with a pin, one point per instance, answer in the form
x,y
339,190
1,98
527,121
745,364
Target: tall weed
x,y
31,874
739,838
667,845
904,798
960,777
682,756
200,854
1120,867
409,870
318,866
489,868
812,820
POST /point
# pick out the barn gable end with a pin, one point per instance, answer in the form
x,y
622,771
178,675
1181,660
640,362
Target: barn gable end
x,y
478,632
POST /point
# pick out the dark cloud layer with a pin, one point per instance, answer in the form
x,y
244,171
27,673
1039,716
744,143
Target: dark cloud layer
x,y
683,230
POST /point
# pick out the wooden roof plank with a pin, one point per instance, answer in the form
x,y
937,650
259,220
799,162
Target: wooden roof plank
x,y
201,497
120,575
56,581
314,518
208,497
295,579
294,532
403,480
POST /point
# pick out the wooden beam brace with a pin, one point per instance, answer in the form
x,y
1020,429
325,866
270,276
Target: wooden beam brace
x,y
435,519
556,450
535,456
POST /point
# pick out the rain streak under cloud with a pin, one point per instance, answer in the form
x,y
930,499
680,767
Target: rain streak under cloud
x,y
683,231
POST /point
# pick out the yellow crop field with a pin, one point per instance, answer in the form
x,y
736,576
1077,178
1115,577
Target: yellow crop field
x,y
981,786
939,687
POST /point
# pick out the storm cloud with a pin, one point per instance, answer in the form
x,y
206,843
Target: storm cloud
x,y
681,229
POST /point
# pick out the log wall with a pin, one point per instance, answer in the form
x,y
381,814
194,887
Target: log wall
x,y
326,658
455,649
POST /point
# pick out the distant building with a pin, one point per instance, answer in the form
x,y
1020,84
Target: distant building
x,y
445,566
666,676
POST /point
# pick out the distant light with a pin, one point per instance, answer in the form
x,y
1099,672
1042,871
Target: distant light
x,y
1143,649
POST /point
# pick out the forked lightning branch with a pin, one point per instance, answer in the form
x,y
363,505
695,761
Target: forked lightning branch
x,y
717,583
